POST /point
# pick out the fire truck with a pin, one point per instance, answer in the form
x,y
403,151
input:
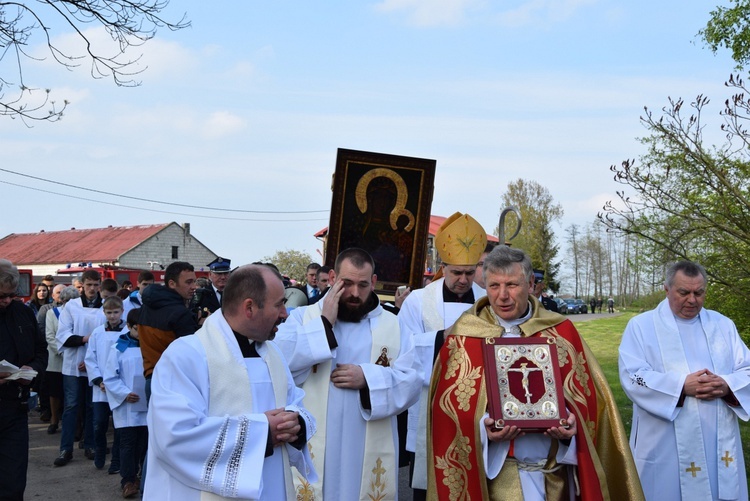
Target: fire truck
x,y
25,284
118,273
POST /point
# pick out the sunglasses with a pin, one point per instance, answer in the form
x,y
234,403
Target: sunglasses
x,y
12,295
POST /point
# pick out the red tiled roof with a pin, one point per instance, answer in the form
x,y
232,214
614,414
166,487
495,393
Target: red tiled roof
x,y
435,222
98,245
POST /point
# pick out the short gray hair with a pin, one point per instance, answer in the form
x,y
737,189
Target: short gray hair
x,y
68,293
689,268
502,258
9,276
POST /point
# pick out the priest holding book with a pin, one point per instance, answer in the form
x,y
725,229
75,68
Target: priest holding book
x,y
473,455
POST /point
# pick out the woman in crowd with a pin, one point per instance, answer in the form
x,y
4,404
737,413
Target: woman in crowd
x,y
39,297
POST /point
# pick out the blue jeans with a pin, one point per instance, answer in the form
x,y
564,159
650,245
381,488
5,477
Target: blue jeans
x,y
77,393
14,452
133,440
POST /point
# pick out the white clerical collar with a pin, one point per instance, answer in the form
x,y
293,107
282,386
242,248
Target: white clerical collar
x,y
510,326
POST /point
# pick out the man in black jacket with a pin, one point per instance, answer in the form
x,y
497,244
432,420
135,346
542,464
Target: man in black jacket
x,y
164,315
208,299
22,345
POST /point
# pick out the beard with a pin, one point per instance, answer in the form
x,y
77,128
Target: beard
x,y
354,309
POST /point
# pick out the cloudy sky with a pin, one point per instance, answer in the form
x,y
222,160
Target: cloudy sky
x,y
245,111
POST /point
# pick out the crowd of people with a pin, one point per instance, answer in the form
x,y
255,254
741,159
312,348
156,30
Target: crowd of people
x,y
247,387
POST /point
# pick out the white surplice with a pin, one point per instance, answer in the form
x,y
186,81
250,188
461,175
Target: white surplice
x,y
192,452
98,349
692,452
392,390
76,320
123,375
423,314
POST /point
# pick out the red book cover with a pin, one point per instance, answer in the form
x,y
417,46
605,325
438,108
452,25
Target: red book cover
x,y
524,386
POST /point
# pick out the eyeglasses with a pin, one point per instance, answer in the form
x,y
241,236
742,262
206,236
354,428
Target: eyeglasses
x,y
12,295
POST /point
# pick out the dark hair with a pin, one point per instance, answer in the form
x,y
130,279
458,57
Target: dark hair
x,y
126,282
132,318
689,268
490,245
112,302
123,294
145,275
358,257
110,285
313,266
34,299
324,270
173,271
91,275
48,278
247,282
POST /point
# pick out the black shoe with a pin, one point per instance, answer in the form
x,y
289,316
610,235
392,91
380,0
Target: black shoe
x,y
113,469
64,458
89,453
52,429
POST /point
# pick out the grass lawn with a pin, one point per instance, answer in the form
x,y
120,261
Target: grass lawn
x,y
603,337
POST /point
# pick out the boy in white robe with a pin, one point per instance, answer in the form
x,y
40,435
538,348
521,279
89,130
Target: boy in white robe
x,y
225,418
126,393
687,372
97,351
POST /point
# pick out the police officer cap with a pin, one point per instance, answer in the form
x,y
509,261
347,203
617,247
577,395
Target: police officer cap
x,y
220,265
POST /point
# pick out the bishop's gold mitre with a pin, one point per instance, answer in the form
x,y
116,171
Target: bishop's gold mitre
x,y
460,240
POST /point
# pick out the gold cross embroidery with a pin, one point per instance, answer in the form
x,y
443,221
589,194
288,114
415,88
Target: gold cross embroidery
x,y
727,459
693,469
378,470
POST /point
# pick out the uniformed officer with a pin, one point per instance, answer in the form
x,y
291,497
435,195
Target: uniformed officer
x,y
209,298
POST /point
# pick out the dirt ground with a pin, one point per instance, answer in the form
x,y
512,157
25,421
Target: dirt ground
x,y
79,480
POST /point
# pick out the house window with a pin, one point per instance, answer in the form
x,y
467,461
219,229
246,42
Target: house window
x,y
175,252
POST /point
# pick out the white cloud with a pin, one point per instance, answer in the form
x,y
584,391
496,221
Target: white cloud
x,y
430,12
223,123
542,11
454,12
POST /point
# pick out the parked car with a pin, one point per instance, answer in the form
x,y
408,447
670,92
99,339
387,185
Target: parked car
x,y
562,306
582,306
573,307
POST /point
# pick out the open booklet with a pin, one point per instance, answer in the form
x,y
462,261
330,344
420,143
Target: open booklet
x,y
16,372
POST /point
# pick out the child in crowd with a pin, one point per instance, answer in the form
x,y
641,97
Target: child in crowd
x,y
99,348
126,391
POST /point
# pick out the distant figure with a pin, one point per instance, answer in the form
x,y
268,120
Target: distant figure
x,y
592,303
599,303
610,305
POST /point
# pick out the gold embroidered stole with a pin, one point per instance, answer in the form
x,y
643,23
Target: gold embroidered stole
x,y
230,391
379,468
459,400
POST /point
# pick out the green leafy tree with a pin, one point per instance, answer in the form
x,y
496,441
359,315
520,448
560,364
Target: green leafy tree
x,y
729,27
292,263
538,211
129,23
690,200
